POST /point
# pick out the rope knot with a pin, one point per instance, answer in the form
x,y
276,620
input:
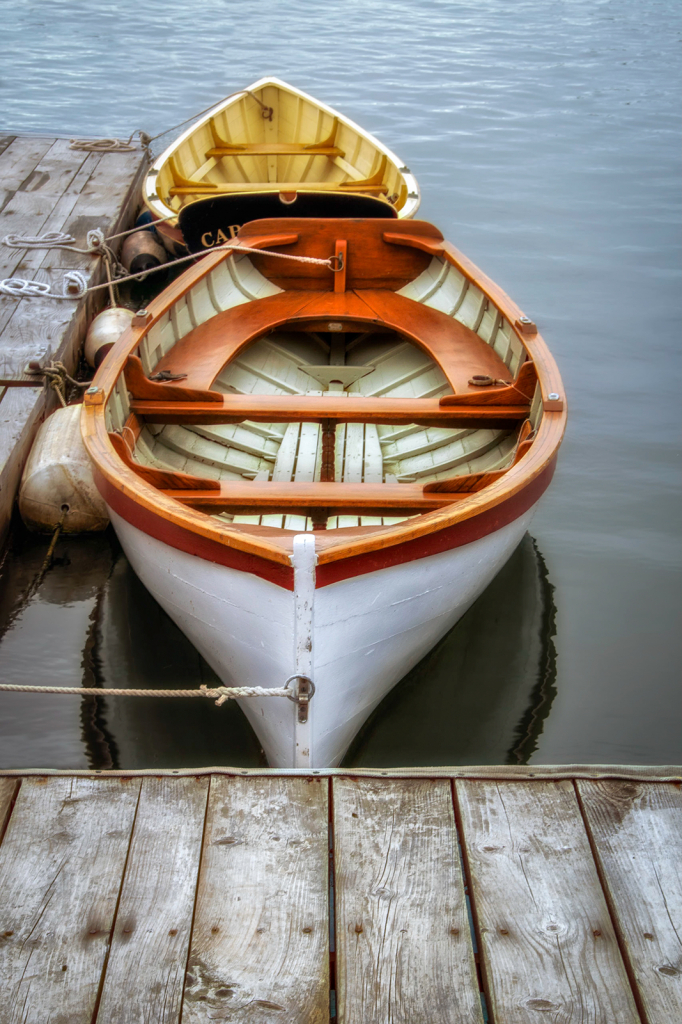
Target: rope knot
x,y
75,284
95,239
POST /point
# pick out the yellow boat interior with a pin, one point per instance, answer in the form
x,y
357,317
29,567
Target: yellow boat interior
x,y
273,137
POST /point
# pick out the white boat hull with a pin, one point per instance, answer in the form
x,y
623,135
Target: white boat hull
x,y
367,631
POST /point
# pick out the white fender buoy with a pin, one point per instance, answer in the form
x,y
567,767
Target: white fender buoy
x,y
58,480
104,332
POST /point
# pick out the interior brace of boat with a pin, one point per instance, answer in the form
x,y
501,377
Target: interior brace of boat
x,y
402,323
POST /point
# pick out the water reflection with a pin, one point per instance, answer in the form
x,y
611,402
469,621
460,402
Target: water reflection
x,y
481,696
92,623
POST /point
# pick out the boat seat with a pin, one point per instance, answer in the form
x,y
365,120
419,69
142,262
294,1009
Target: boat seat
x,y
296,498
195,188
190,186
326,147
461,354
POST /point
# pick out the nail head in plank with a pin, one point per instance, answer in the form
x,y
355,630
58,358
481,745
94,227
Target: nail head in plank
x,y
404,950
146,967
545,934
260,947
61,864
636,832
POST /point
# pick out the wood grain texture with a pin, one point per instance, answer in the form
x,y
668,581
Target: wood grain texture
x,y
404,950
298,498
61,864
146,968
64,190
8,789
260,947
371,262
636,832
330,406
547,945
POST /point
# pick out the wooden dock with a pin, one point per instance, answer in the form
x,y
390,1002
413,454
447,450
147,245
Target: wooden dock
x,y
410,896
47,186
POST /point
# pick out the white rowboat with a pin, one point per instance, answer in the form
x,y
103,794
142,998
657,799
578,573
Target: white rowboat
x,y
354,449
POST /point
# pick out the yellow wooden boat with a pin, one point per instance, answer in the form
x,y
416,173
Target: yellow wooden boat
x,y
273,150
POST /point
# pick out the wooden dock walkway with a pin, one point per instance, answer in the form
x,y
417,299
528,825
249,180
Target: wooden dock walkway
x,y
411,896
47,186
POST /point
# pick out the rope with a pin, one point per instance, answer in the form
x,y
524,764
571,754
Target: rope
x,y
47,561
217,693
103,145
50,240
75,283
56,376
126,145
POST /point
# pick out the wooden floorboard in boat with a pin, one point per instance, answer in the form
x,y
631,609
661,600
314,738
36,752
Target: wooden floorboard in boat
x,y
140,896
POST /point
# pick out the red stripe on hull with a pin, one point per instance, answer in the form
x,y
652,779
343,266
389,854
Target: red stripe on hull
x,y
440,540
455,536
193,543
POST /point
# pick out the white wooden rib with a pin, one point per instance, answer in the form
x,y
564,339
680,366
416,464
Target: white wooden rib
x,y
204,452
235,435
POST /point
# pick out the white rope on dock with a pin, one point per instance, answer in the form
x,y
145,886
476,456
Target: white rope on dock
x,y
219,694
105,145
126,145
74,285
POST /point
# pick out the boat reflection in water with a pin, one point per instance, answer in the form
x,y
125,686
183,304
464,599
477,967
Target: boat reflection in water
x,y
482,695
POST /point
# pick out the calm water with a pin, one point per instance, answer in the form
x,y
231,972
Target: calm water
x,y
545,136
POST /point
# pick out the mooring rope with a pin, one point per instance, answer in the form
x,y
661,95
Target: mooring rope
x,y
56,376
219,694
126,145
75,284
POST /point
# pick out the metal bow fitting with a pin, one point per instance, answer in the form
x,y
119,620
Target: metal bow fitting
x,y
302,695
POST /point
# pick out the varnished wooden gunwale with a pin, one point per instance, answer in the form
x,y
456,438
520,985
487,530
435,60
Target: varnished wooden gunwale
x,y
534,467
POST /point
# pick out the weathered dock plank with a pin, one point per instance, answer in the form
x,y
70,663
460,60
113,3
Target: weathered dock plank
x,y
46,186
61,864
636,832
151,937
8,788
404,951
172,896
260,946
546,938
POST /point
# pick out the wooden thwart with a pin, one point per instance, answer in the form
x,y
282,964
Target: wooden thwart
x,y
316,409
325,147
208,188
298,498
